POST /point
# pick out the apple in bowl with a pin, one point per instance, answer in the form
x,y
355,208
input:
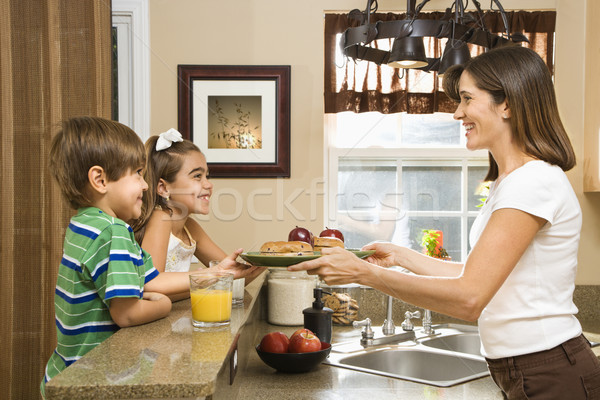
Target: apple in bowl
x,y
295,361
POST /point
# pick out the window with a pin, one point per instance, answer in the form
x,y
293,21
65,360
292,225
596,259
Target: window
x,y
391,176
131,73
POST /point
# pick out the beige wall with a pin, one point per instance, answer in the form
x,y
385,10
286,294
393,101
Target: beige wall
x,y
266,32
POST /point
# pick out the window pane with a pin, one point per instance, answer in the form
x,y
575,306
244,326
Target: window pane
x,y
359,232
476,176
450,226
366,187
430,130
364,130
431,188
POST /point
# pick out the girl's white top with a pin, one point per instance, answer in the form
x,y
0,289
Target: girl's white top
x,y
180,254
533,310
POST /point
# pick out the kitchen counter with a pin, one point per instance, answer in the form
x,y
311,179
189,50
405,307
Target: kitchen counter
x,y
169,359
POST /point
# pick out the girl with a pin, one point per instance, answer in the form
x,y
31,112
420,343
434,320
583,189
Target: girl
x,y
177,176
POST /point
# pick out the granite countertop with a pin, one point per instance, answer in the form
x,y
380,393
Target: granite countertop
x,y
259,381
167,358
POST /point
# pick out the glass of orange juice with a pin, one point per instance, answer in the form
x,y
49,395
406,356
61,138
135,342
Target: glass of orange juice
x,y
210,295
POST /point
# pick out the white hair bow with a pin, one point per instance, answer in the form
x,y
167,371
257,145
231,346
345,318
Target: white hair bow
x,y
166,139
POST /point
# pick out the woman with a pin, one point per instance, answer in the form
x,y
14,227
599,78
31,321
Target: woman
x,y
518,280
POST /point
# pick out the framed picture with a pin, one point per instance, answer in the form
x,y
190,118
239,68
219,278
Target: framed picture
x,y
239,116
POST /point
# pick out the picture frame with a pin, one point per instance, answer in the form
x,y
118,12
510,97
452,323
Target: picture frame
x,y
239,117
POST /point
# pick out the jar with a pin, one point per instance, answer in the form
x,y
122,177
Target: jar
x,y
289,292
345,301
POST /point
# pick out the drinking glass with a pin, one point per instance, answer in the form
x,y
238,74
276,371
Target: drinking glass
x,y
210,296
238,288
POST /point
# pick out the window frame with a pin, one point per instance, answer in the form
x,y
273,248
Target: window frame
x,y
403,156
132,17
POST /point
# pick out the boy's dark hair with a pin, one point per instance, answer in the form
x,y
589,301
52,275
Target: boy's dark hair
x,y
83,142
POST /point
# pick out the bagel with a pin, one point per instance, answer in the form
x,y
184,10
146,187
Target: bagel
x,y
286,248
323,242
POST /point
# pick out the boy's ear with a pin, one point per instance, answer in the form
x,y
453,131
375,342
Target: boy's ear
x,y
97,179
161,188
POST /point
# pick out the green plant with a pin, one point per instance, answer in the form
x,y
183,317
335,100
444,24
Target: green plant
x,y
483,190
430,242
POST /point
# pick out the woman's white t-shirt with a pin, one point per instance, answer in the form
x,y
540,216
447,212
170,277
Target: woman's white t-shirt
x,y
534,309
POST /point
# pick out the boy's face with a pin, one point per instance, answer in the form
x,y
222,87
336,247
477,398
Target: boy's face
x,y
124,196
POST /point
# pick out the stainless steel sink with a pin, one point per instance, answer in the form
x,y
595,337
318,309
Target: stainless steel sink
x,y
449,357
468,343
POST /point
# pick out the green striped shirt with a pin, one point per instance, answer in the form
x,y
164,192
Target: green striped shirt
x,y
101,260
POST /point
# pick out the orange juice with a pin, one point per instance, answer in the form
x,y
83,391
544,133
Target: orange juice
x,y
211,305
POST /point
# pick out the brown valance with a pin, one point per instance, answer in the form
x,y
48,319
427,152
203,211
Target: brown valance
x,y
364,86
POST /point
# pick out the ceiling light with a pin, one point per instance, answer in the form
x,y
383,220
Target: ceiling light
x,y
458,27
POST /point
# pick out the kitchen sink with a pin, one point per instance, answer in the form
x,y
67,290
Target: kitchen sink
x,y
468,343
449,357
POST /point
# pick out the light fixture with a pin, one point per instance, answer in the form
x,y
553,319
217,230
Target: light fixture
x,y
407,49
456,52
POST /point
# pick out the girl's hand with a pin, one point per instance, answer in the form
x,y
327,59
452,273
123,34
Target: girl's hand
x,y
385,254
239,270
336,267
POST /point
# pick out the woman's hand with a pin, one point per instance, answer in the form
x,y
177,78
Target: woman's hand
x,y
385,254
336,267
239,270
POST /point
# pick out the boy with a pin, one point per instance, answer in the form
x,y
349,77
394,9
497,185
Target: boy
x,y
100,287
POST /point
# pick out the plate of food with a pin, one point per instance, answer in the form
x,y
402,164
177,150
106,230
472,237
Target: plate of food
x,y
284,254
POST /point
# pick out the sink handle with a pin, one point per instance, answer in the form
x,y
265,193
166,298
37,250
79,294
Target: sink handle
x,y
407,324
367,332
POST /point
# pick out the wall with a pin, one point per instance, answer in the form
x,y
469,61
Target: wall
x,y
265,32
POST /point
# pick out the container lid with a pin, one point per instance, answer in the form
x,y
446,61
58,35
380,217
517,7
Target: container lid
x,y
279,273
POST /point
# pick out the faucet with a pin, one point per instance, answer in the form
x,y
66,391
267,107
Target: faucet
x,y
407,324
388,327
427,329
368,338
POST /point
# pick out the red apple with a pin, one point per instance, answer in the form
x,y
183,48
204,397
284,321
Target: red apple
x,y
275,342
304,341
301,330
300,234
328,232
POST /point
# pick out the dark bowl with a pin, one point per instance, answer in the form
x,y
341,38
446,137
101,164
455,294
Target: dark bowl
x,y
295,362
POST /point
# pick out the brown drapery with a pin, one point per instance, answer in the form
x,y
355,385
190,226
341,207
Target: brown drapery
x,y
55,63
365,86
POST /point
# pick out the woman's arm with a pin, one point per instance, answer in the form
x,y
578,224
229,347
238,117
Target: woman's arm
x,y
131,311
506,237
156,238
388,254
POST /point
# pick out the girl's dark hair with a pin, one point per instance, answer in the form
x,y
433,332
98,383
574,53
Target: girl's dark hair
x,y
163,164
519,75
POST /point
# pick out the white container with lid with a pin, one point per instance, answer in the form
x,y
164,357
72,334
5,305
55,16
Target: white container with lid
x,y
289,292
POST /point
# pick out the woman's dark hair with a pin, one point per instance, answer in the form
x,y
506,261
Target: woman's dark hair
x,y
519,76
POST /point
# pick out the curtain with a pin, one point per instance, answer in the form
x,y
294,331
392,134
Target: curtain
x,y
55,64
364,86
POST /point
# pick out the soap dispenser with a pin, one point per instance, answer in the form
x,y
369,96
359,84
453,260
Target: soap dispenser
x,y
318,318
